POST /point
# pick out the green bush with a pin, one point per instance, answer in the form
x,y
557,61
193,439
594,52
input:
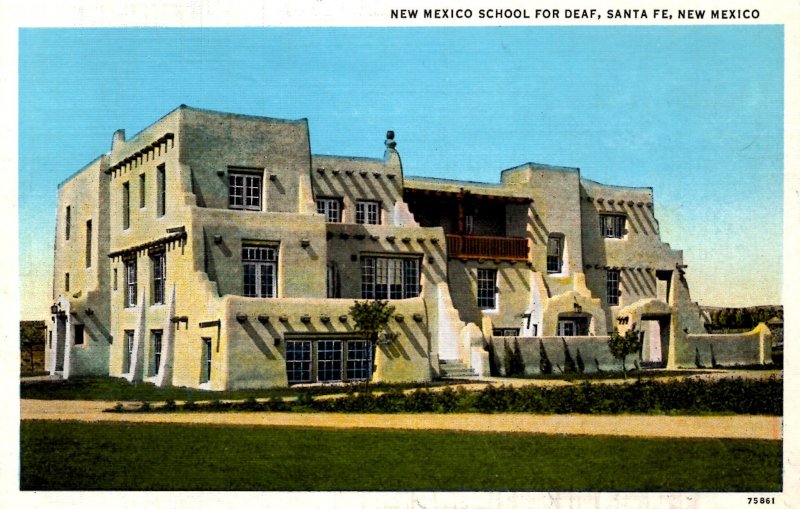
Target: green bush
x,y
545,366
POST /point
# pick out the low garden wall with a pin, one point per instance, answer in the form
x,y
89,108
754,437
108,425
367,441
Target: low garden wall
x,y
590,352
712,350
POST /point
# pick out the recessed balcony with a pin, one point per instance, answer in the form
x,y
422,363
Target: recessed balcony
x,y
473,247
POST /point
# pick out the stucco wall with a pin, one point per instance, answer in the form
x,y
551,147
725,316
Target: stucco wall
x,y
711,350
593,350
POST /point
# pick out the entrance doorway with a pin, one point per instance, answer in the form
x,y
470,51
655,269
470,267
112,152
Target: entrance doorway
x,y
59,347
655,346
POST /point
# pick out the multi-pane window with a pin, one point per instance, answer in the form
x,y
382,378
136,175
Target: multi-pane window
x,y
505,331
130,283
612,287
159,264
612,226
205,368
487,288
566,328
161,191
260,271
331,208
328,360
368,212
244,191
389,278
298,361
142,190
555,252
89,243
78,338
157,337
67,222
126,205
127,352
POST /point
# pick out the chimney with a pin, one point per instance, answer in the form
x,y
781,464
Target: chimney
x,y
119,137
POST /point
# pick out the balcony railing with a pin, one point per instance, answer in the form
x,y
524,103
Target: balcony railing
x,y
491,248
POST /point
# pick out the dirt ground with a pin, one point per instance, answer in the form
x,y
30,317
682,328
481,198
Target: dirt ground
x,y
738,426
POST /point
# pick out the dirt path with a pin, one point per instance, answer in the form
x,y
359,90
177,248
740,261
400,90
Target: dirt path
x,y
739,426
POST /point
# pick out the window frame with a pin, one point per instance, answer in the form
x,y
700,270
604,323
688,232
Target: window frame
x,y
142,190
325,206
380,278
127,351
612,287
158,265
245,175
207,361
485,301
328,360
612,226
555,262
161,191
126,205
365,209
131,283
263,259
157,342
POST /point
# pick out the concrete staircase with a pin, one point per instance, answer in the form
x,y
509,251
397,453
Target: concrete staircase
x,y
455,370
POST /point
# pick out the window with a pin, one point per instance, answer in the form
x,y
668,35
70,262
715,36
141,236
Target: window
x,y
469,224
331,208
130,283
298,361
66,282
612,226
334,287
67,222
161,194
159,261
368,212
260,271
142,190
126,205
612,287
88,243
328,360
156,336
244,191
555,251
578,326
389,278
78,337
115,279
205,375
505,331
487,288
127,352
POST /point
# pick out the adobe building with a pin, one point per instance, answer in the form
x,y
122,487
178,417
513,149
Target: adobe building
x,y
213,250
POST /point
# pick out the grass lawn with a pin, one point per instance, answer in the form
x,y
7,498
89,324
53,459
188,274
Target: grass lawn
x,y
83,456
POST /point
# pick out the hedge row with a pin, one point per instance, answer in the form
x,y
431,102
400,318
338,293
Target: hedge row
x,y
735,395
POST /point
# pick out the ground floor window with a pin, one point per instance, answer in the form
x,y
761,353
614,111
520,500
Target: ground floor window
x,y
328,360
205,367
78,333
578,326
157,336
127,352
505,331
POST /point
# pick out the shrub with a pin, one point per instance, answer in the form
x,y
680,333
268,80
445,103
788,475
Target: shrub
x,y
569,363
545,367
517,362
494,368
508,361
579,362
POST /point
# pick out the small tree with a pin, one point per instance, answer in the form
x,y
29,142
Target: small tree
x,y
519,362
569,363
623,345
545,366
371,317
31,337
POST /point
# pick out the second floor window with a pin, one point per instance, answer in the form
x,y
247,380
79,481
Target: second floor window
x,y
487,288
244,191
159,261
389,278
67,220
260,271
331,208
612,287
88,243
368,212
126,205
130,283
612,226
161,194
555,250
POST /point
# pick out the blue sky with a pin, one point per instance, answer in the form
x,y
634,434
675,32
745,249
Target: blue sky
x,y
694,112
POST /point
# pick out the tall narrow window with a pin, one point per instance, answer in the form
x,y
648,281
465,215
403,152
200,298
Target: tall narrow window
x,y
359,360
142,190
66,282
612,226
88,243
368,212
329,360
260,271
298,361
331,208
161,192
389,278
156,336
127,352
555,250
130,283
159,265
487,288
205,375
612,287
334,289
244,190
78,336
67,222
114,282
126,205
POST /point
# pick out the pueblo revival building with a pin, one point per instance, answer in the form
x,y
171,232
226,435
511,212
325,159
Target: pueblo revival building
x,y
213,250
